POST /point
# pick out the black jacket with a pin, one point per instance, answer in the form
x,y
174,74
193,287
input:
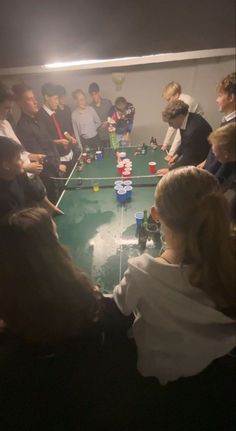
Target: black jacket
x,y
35,139
194,145
46,121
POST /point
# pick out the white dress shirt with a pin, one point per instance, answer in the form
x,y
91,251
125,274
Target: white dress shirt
x,y
229,117
68,156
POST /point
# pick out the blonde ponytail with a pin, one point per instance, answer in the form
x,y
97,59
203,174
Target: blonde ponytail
x,y
191,204
210,251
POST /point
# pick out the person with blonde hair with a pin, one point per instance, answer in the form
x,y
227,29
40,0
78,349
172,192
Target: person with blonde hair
x,y
226,101
223,141
172,92
184,300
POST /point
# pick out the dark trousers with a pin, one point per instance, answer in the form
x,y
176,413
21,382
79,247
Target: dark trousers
x,y
93,143
105,143
53,188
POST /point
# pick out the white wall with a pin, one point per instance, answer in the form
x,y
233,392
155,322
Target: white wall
x,y
143,87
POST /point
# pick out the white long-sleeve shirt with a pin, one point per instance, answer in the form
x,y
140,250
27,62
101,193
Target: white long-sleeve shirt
x,y
177,329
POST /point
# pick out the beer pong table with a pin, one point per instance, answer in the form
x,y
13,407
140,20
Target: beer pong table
x,y
98,231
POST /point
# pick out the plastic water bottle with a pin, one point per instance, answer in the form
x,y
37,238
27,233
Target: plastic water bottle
x,y
113,141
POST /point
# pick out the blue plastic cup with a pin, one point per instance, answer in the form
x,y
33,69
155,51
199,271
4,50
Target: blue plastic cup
x,y
121,195
127,183
122,155
98,155
118,187
128,190
119,183
139,217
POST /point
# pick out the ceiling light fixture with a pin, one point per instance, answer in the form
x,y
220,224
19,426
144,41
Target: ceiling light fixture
x,y
65,64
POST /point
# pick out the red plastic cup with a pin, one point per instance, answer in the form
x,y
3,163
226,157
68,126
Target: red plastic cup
x,y
120,168
152,167
126,174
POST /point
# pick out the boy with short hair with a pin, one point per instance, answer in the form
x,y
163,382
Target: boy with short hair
x,y
47,115
120,120
194,131
226,100
102,107
34,136
85,121
171,93
31,161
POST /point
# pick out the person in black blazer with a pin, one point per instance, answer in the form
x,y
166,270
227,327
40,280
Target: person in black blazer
x,y
35,139
194,130
48,117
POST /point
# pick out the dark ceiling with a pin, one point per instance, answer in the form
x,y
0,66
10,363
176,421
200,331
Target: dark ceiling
x,y
34,32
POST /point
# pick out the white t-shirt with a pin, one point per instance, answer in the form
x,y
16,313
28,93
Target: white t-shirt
x,y
177,329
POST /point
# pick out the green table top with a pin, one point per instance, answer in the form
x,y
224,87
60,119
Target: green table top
x,y
99,231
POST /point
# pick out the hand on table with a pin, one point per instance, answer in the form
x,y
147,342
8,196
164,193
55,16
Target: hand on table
x,y
164,147
172,160
62,169
162,171
168,157
201,165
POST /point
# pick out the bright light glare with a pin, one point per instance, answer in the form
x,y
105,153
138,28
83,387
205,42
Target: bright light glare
x,y
86,62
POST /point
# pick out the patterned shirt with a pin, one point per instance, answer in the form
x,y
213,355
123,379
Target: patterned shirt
x,y
121,123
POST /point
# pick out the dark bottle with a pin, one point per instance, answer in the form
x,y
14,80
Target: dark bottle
x,y
145,218
142,238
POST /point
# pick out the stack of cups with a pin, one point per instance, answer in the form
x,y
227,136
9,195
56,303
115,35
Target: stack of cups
x,y
127,172
123,191
118,185
128,190
128,187
124,166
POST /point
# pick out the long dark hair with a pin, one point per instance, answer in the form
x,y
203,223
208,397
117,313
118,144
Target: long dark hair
x,y
44,297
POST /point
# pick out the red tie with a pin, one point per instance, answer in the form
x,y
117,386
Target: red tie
x,y
57,126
